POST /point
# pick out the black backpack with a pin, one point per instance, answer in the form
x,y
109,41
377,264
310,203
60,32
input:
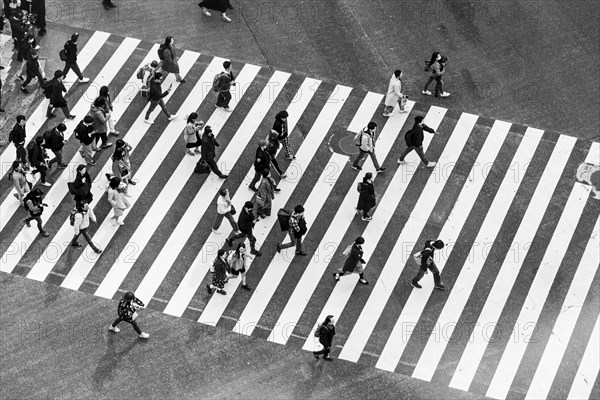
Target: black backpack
x,y
408,136
202,167
283,216
72,216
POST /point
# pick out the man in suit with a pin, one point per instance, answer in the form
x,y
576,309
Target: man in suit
x,y
246,222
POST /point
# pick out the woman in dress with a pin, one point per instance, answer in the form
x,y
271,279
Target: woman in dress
x,y
219,277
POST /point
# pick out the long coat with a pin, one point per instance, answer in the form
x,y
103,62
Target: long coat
x,y
355,256
394,91
366,199
326,334
56,97
169,62
265,194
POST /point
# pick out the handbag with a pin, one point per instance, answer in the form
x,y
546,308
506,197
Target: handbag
x,y
232,211
63,55
202,167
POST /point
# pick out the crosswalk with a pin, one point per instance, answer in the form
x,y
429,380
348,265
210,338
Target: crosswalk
x,y
519,316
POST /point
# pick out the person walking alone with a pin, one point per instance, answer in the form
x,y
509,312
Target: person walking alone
x,y
437,70
414,141
208,151
217,5
219,276
366,199
394,94
108,109
117,199
354,263
427,263
238,263
246,223
155,97
83,215
55,141
366,147
57,100
298,229
225,210
18,136
70,48
169,60
226,81
34,204
280,127
82,185
191,135
127,311
325,332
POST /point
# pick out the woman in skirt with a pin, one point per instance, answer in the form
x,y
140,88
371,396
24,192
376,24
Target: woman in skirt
x,y
354,263
220,275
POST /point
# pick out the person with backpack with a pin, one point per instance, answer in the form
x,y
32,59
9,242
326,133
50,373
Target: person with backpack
x,y
366,199
33,203
169,59
81,188
99,120
108,109
81,222
84,132
127,312
437,71
151,68
208,151
17,175
117,199
57,100
297,229
155,97
238,264
18,136
265,195
217,5
224,210
414,141
246,222
394,94
219,276
427,263
325,332
223,83
70,51
54,139
191,135
354,263
38,158
365,140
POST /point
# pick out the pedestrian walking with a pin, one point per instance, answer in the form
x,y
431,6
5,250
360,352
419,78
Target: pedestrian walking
x,y
437,71
265,195
108,109
208,152
225,81
325,332
20,183
272,147
25,50
427,263
169,59
365,140
246,223
100,119
414,141
18,136
191,135
38,158
354,263
34,204
84,132
225,210
70,49
38,7
127,312
81,187
121,168
262,161
366,199
217,5
219,276
280,127
83,215
57,100
155,97
394,94
238,264
298,229
55,141
117,199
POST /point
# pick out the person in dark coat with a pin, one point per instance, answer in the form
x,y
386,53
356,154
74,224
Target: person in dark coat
x,y
297,229
84,132
427,263
33,70
38,158
18,136
38,7
414,141
366,199
71,62
57,100
35,206
226,81
55,141
246,222
272,148
354,263
217,5
25,49
82,185
169,62
219,278
280,127
262,161
326,333
127,312
155,97
208,151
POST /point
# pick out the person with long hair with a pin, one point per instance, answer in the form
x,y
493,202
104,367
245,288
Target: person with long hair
x,y
117,199
437,71
325,333
127,311
169,62
191,134
83,215
82,185
238,261
108,108
366,199
219,277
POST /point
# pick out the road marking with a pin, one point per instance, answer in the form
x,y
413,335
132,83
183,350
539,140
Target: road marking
x,y
587,373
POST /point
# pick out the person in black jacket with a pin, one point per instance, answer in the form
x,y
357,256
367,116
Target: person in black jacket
x,y
354,263
280,127
326,333
84,132
427,263
57,100
35,206
33,70
246,222
38,7
262,161
219,277
81,188
208,152
55,141
38,158
18,136
366,199
155,97
414,141
272,147
71,61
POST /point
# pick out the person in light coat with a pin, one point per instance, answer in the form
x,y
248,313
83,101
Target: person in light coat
x,y
117,199
83,215
224,210
394,94
17,175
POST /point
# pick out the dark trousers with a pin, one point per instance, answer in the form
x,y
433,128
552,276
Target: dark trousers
x,y
419,151
223,99
214,168
325,351
438,84
38,219
74,67
132,323
64,109
257,176
101,136
362,155
434,270
294,241
87,237
21,154
276,165
153,104
57,157
229,217
37,74
233,236
41,168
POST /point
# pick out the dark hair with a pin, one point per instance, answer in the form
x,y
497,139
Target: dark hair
x,y
61,127
15,164
20,118
221,252
419,119
192,117
443,59
129,296
99,102
39,140
226,64
397,73
299,209
168,40
282,114
37,193
327,319
223,191
114,182
248,204
367,176
88,119
80,167
119,143
157,76
58,73
265,172
79,205
438,244
434,57
359,240
118,154
104,91
237,249
207,129
372,125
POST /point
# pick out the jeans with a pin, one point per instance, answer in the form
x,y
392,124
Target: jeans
x,y
244,235
363,154
434,270
132,323
229,217
87,237
438,84
419,151
294,241
223,99
38,219
75,69
153,104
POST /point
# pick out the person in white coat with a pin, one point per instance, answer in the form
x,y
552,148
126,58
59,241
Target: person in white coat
x,y
83,215
394,94
117,199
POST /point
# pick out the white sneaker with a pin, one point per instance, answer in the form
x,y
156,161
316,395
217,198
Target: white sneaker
x,y
367,218
205,12
386,114
401,161
226,18
143,335
216,231
172,117
445,94
117,222
114,329
45,184
426,92
431,164
84,80
148,121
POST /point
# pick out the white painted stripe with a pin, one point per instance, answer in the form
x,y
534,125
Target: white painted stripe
x,y
61,239
154,216
587,373
565,323
538,292
513,261
369,106
178,238
194,275
381,217
390,274
593,156
312,275
36,120
217,304
459,294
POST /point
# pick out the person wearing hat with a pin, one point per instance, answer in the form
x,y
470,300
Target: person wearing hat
x,y
71,61
246,223
35,206
55,141
127,311
84,132
366,199
297,230
155,97
354,263
367,147
38,158
219,276
262,161
280,127
427,263
57,100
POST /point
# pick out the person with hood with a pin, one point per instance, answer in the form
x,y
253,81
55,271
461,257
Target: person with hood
x,y
354,263
127,312
414,141
265,195
155,97
35,206
17,175
100,118
208,151
367,147
83,215
70,48
366,199
55,141
108,109
169,62
219,276
325,332
280,127
57,100
394,94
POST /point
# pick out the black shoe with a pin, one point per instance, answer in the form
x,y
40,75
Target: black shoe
x,y
27,223
328,358
221,291
363,281
42,32
381,169
70,116
300,253
278,248
440,286
223,176
247,287
256,253
50,116
416,285
97,251
277,190
253,189
229,242
210,291
106,145
76,244
108,176
132,183
62,165
316,355
357,168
